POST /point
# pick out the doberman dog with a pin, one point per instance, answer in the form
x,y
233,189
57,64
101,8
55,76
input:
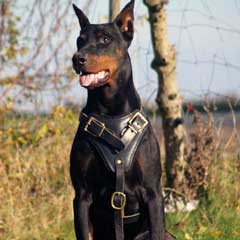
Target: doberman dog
x,y
115,158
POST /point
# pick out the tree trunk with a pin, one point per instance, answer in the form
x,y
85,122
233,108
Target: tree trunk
x,y
114,7
168,99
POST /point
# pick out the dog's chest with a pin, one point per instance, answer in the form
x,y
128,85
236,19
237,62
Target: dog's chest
x,y
105,135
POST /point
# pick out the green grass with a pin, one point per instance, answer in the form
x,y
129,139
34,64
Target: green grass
x,y
215,221
36,193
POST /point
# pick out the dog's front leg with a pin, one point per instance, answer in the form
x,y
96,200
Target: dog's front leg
x,y
81,204
156,216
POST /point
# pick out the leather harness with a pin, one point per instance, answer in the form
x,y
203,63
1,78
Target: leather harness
x,y
116,139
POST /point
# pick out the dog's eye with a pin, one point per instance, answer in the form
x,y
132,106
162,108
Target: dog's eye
x,y
105,39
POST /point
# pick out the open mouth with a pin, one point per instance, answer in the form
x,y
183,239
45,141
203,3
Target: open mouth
x,y
92,80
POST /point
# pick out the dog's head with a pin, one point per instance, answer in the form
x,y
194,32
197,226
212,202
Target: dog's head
x,y
102,48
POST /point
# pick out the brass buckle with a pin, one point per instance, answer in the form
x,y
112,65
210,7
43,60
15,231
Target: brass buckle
x,y
123,196
91,121
136,115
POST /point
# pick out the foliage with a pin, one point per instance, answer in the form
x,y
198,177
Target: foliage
x,y
31,131
35,191
200,154
9,33
218,216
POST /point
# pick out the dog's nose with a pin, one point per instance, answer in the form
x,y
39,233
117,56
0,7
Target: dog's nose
x,y
79,60
82,61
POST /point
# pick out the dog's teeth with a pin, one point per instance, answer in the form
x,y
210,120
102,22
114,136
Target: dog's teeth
x,y
101,74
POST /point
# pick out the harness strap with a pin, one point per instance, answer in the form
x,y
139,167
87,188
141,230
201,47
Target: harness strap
x,y
98,129
118,200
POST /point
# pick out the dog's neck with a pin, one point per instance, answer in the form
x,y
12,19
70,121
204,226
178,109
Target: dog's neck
x,y
119,98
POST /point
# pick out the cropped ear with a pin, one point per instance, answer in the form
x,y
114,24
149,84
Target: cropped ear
x,y
82,18
124,21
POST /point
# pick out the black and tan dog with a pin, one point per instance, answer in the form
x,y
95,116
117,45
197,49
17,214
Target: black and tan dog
x,y
115,159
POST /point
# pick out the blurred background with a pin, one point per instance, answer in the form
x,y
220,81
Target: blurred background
x,y
40,98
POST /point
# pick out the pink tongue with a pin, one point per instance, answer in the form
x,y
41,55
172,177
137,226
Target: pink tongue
x,y
92,79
